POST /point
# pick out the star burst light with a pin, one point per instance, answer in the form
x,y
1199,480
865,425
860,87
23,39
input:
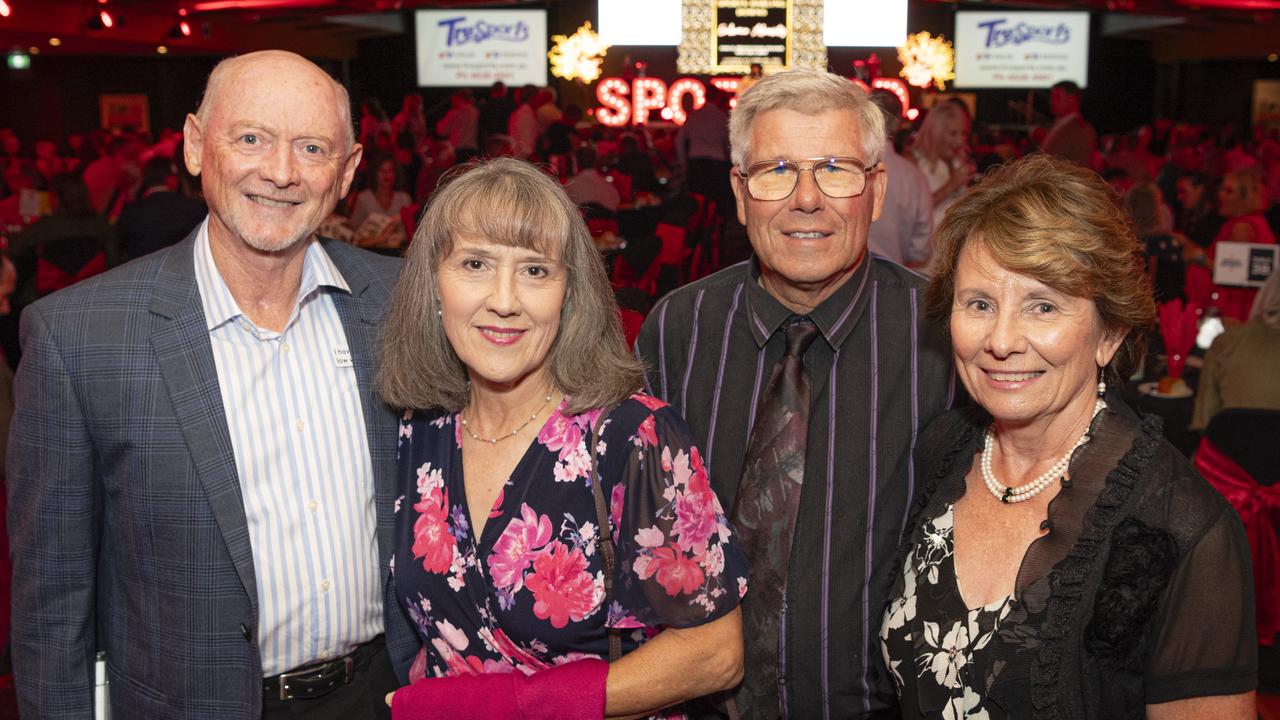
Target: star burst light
x,y
927,60
577,56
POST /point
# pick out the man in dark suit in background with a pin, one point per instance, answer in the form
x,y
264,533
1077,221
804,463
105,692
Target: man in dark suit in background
x,y
201,478
161,216
1071,136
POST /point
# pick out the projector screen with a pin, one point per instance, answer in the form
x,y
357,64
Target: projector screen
x,y
469,48
631,22
1026,50
864,23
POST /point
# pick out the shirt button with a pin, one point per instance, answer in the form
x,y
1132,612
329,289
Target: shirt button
x,y
313,505
284,347
324,585
299,425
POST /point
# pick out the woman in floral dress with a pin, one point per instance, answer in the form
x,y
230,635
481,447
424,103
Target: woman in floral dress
x,y
1063,559
503,341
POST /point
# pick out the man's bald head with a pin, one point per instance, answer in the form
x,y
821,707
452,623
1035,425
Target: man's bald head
x,y
272,61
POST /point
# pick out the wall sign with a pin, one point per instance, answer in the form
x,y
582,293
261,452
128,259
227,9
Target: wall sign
x,y
1243,264
1025,50
468,48
726,36
124,112
752,31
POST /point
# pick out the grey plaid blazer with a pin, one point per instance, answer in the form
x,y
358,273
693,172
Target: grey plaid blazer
x,y
126,521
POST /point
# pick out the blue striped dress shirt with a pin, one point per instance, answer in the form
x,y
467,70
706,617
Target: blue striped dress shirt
x,y
298,432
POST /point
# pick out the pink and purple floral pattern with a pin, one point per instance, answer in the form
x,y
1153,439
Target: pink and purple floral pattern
x,y
529,592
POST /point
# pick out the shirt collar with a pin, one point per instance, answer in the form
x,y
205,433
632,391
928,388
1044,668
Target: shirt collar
x,y
220,307
835,316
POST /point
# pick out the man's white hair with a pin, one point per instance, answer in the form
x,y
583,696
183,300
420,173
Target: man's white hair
x,y
810,92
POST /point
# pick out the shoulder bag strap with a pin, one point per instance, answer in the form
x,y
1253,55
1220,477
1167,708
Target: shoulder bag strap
x,y
604,534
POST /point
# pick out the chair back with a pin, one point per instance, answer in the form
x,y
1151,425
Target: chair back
x,y
1251,437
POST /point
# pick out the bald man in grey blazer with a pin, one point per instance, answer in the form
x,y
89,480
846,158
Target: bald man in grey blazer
x,y
201,478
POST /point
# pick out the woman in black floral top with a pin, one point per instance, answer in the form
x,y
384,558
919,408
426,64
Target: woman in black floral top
x,y
1063,560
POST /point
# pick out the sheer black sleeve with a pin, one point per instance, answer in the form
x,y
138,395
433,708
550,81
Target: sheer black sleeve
x,y
1204,639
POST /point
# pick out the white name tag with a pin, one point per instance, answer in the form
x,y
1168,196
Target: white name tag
x,y
342,357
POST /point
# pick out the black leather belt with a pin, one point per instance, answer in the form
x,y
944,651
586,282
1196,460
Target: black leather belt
x,y
320,679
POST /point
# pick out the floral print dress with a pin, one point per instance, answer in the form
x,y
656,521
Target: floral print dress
x,y
945,657
529,592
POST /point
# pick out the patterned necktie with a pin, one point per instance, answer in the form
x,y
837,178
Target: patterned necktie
x,y
764,516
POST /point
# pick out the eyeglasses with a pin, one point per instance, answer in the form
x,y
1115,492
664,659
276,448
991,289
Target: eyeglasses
x,y
837,177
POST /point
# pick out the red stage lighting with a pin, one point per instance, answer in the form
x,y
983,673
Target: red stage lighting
x,y
105,18
5,10
184,27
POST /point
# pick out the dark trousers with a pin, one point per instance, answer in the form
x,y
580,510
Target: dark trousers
x,y
363,699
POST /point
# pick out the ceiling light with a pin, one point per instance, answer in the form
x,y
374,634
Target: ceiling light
x,y
55,42
5,10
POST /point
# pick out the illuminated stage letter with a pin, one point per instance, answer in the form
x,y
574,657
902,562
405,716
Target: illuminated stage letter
x,y
614,109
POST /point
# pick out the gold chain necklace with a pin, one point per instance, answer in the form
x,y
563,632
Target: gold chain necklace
x,y
513,433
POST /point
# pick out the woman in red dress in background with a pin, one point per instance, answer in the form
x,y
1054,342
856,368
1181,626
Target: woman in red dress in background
x,y
1241,200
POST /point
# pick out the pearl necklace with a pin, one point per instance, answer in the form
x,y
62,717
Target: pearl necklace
x,y
513,433
1022,493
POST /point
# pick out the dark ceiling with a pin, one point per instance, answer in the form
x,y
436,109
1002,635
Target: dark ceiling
x,y
1176,29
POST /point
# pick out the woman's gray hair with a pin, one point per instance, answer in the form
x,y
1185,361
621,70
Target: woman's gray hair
x,y
513,203
811,92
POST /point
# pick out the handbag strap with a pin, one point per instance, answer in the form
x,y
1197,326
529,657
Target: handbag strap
x,y
604,534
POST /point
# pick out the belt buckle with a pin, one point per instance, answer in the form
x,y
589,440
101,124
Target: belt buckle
x,y
319,671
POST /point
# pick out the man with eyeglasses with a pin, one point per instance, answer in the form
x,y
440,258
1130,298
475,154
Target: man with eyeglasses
x,y
806,374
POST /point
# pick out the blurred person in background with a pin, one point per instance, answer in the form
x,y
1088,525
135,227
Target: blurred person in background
x,y
411,119
702,148
1241,200
1070,136
1198,217
72,243
522,126
589,185
905,225
382,193
1240,366
1163,249
161,216
373,120
461,126
941,151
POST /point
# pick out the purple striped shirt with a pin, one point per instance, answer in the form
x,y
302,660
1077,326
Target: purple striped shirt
x,y
878,377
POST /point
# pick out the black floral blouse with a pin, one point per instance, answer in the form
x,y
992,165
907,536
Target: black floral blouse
x,y
1139,593
936,648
